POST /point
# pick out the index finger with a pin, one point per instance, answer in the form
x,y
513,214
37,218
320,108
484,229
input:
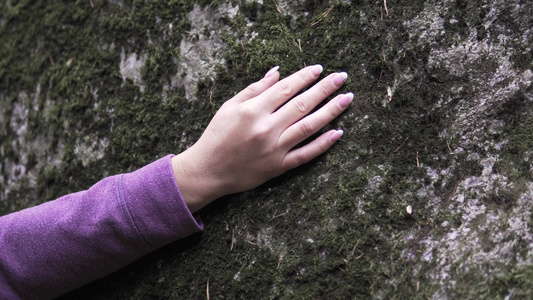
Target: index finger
x,y
302,104
283,90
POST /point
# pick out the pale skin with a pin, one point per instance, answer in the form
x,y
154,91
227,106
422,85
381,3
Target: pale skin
x,y
251,138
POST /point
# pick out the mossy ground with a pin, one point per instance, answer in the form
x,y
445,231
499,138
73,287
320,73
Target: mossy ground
x,y
336,228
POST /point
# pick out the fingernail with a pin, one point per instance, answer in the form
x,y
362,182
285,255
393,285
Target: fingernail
x,y
316,70
345,100
340,78
336,135
271,72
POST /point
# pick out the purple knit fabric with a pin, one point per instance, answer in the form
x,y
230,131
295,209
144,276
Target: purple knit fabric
x,y
50,249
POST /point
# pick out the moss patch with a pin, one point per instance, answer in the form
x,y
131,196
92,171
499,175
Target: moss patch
x,y
336,228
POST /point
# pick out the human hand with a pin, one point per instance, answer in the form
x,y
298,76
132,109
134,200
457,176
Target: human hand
x,y
251,138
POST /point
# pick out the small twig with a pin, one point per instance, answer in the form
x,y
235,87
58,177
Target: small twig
x,y
385,5
381,13
383,54
417,285
417,162
243,50
401,145
211,96
232,239
252,243
207,290
279,261
324,15
328,11
278,216
448,146
92,5
300,45
163,27
359,256
353,250
51,59
277,7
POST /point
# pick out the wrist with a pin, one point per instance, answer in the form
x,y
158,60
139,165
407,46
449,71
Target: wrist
x,y
194,183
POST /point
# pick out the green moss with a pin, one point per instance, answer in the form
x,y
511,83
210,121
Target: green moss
x,y
335,215
519,136
317,232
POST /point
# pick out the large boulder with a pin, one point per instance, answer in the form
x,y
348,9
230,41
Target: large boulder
x,y
428,194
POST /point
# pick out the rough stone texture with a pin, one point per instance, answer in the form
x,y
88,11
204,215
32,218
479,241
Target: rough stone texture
x,y
95,88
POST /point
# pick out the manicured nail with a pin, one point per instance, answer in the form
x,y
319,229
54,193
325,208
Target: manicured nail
x,y
271,72
316,70
345,100
336,135
340,78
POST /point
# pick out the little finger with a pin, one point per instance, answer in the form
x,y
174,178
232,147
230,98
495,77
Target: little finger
x,y
300,156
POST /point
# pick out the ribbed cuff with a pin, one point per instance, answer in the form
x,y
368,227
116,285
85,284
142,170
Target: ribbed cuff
x,y
155,205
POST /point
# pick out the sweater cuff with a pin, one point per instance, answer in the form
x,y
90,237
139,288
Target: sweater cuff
x,y
155,206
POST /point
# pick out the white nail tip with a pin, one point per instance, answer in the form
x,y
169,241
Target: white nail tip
x,y
271,72
344,75
336,135
317,69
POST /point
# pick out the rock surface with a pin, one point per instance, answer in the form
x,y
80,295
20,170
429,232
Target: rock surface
x,y
95,88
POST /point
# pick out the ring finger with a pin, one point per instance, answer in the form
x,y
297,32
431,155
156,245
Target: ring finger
x,y
309,125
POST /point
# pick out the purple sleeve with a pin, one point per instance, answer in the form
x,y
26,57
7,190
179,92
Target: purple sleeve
x,y
50,249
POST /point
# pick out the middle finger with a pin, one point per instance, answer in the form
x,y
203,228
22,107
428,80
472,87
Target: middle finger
x,y
302,104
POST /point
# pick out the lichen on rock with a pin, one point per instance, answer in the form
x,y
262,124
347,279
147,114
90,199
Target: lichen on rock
x,y
96,88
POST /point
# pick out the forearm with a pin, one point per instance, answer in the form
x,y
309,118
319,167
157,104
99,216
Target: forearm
x,y
60,245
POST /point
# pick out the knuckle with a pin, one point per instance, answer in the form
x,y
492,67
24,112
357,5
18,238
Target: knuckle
x,y
246,110
284,88
323,147
334,111
301,159
300,105
323,90
254,88
304,76
306,128
261,133
226,105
